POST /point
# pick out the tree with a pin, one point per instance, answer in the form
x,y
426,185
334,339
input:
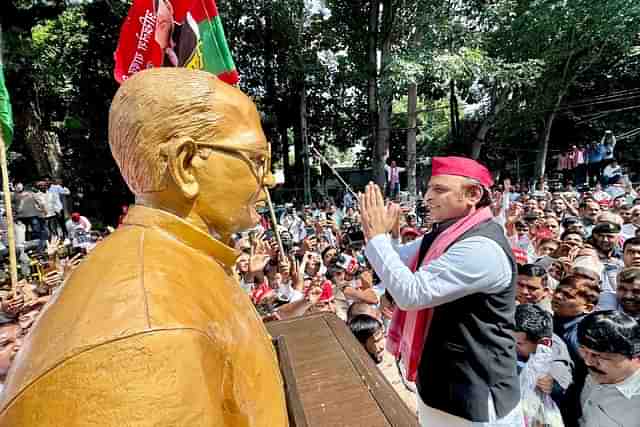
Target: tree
x,y
569,38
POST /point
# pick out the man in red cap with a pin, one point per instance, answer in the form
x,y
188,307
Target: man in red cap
x,y
78,228
409,234
455,289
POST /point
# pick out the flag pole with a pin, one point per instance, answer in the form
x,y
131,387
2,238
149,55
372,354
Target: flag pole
x,y
11,235
13,264
274,222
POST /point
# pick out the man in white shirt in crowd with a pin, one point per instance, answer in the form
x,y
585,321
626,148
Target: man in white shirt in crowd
x,y
292,222
609,143
50,202
60,192
629,229
78,228
393,179
610,346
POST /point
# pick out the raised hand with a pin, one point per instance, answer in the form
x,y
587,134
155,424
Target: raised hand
x,y
52,246
258,262
375,216
13,306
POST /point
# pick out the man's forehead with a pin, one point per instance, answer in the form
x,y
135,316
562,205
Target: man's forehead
x,y
446,180
525,278
630,284
521,336
600,353
609,235
566,289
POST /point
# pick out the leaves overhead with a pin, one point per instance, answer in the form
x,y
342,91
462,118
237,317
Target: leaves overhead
x,y
509,64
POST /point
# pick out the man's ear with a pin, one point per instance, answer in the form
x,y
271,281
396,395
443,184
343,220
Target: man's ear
x,y
475,192
180,155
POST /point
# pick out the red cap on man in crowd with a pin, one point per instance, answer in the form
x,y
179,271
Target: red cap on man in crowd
x,y
75,217
461,166
409,231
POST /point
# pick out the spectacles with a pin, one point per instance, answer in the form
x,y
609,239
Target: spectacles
x,y
259,161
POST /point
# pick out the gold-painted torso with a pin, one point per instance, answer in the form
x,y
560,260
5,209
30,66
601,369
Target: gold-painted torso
x,y
151,330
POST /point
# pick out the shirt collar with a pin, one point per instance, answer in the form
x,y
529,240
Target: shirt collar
x,y
568,322
631,386
183,231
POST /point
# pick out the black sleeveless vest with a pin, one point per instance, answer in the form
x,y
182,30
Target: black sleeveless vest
x,y
470,352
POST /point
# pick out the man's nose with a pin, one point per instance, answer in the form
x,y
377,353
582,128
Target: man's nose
x,y
269,180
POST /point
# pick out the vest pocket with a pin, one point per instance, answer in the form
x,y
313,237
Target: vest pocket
x,y
451,347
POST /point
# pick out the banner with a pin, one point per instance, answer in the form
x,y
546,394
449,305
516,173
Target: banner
x,y
6,116
174,33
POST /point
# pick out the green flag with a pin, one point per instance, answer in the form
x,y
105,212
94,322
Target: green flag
x,y
6,117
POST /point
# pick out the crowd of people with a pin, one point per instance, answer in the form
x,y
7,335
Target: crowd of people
x,y
578,283
590,163
50,243
578,289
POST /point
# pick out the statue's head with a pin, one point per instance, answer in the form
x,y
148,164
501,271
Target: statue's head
x,y
190,144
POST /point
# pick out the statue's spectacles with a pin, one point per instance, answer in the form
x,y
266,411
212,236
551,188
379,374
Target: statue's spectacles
x,y
259,161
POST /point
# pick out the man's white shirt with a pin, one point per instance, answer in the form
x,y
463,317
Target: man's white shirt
x,y
473,265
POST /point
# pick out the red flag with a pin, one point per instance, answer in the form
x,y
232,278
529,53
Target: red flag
x,y
174,33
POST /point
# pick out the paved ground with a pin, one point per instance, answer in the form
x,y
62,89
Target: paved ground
x,y
390,371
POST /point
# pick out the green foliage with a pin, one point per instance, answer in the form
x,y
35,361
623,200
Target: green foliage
x,y
509,62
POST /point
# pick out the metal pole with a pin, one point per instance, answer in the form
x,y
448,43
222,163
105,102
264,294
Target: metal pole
x,y
13,264
274,222
342,181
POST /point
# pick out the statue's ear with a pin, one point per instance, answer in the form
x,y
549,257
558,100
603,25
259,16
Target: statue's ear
x,y
181,151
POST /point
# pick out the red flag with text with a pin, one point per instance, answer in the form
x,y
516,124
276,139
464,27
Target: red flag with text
x,y
174,33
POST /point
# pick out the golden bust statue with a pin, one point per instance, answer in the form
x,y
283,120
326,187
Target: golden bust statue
x,y
152,329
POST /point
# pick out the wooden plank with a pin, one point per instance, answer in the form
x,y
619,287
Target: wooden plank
x,y
329,386
334,390
393,407
294,404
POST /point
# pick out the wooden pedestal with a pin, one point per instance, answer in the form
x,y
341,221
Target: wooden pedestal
x,y
330,379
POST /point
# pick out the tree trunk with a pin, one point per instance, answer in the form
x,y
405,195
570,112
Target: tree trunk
x,y
487,125
298,149
43,145
453,112
269,124
385,94
283,132
305,143
543,146
411,139
372,89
